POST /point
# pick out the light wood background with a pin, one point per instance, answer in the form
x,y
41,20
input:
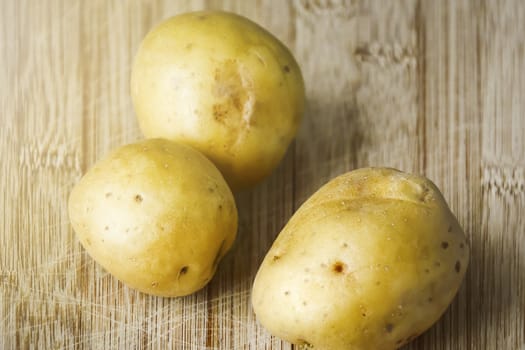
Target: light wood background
x,y
433,87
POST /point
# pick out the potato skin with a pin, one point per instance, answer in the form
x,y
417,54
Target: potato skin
x,y
155,214
370,261
222,84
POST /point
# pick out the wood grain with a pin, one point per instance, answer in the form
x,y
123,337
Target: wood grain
x,y
433,87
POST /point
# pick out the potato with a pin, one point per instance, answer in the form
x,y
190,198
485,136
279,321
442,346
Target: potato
x,y
223,85
370,261
157,215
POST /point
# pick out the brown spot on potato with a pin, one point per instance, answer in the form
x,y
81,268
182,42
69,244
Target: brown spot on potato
x,y
154,284
232,89
425,194
427,270
106,228
338,267
461,245
286,69
189,46
345,245
183,271
108,194
457,267
430,299
220,112
437,264
138,198
287,292
275,258
444,245
389,327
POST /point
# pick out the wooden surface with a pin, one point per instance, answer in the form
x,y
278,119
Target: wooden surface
x,y
433,87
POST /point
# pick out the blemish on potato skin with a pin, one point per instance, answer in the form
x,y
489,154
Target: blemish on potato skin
x,y
138,198
287,292
457,267
389,327
154,284
461,245
338,267
108,194
219,112
275,258
444,245
183,271
286,69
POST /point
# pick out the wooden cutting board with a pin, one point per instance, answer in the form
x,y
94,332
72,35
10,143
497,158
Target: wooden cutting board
x,y
432,87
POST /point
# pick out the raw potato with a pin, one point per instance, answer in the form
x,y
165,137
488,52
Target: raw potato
x,y
222,84
370,261
157,215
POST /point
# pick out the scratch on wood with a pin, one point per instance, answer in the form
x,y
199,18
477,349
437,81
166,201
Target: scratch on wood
x,y
61,157
386,54
504,180
327,8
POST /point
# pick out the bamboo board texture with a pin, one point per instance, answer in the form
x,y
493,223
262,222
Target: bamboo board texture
x,y
432,87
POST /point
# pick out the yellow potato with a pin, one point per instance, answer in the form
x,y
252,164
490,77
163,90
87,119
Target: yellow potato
x,y
370,261
222,84
157,215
